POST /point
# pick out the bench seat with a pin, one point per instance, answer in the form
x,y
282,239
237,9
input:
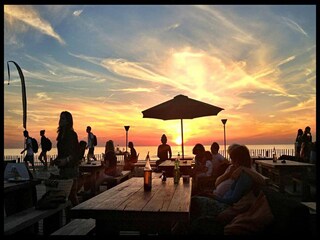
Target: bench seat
x,y
111,182
77,227
21,220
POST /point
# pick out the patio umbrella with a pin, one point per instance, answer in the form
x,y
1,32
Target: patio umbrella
x,y
181,107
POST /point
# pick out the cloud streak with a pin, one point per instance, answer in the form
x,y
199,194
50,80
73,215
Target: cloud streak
x,y
32,18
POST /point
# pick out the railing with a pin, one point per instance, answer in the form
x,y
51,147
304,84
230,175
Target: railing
x,y
120,158
19,158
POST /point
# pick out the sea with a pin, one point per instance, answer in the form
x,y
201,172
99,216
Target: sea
x,y
255,150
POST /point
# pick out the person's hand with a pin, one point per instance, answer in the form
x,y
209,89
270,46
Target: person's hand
x,y
22,152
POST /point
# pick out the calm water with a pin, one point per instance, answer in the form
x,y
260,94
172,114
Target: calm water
x,y
143,150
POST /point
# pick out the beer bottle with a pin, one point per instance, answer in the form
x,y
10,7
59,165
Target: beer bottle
x,y
147,175
176,170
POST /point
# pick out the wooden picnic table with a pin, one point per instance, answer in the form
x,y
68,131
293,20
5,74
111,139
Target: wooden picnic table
x,y
128,207
168,166
287,168
19,195
94,168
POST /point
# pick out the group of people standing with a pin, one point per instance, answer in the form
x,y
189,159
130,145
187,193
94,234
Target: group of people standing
x,y
304,144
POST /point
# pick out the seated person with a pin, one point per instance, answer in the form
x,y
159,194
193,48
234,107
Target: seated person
x,y
164,151
131,159
110,165
204,174
110,160
199,152
207,162
217,158
203,207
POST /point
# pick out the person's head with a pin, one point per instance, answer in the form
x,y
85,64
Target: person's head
x,y
88,129
307,129
25,133
42,132
300,131
240,156
66,120
232,147
198,149
215,148
109,146
130,144
164,139
207,155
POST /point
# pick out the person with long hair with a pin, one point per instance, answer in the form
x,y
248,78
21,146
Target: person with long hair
x,y
68,153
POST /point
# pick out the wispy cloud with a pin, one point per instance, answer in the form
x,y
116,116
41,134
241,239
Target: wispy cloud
x,y
29,16
295,26
77,13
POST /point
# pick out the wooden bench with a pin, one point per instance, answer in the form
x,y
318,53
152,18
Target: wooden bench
x,y
52,219
125,175
77,227
111,182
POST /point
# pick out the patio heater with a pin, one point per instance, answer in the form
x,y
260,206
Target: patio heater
x,y
127,129
224,121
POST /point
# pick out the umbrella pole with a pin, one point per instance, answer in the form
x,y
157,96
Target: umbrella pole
x,y
182,139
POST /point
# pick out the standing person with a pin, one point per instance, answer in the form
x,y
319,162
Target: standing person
x,y
30,154
306,139
164,151
90,144
298,143
44,149
68,153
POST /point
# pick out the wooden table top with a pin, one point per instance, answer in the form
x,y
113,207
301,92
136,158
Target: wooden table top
x,y
287,164
164,200
13,186
183,163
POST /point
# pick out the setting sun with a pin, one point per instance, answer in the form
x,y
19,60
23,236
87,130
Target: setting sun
x,y
178,140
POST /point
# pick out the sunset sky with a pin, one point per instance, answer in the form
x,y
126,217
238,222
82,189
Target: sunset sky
x,y
106,64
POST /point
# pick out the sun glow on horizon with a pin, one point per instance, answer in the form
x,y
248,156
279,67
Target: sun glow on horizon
x,y
178,140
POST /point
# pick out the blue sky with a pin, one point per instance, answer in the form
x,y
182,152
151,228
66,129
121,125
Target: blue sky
x,y
105,64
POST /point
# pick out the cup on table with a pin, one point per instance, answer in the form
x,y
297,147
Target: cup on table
x,y
186,178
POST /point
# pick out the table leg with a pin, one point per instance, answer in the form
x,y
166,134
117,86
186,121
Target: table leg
x,y
281,181
305,188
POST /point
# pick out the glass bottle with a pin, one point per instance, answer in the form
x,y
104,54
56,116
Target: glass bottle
x,y
147,175
176,170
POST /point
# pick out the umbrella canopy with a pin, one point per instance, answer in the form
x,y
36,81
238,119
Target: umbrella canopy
x,y
181,107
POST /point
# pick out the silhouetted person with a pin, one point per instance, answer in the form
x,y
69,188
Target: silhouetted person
x,y
28,147
44,149
217,158
306,144
199,151
298,143
164,151
90,144
68,153
110,165
131,159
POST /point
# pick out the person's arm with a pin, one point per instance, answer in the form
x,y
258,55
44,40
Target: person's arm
x,y
242,185
225,175
209,168
170,153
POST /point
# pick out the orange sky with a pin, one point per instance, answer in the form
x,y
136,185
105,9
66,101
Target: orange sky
x,y
107,64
